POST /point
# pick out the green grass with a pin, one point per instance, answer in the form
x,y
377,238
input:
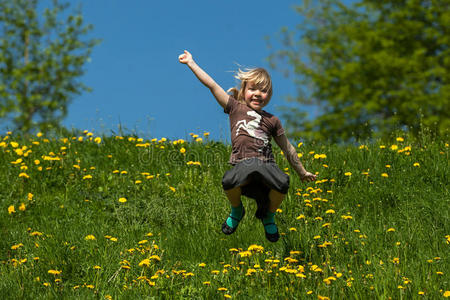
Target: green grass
x,y
355,236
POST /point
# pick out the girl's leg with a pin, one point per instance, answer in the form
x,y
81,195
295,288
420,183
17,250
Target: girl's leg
x,y
275,200
237,210
270,227
234,196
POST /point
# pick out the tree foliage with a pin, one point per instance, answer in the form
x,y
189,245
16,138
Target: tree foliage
x,y
42,54
370,67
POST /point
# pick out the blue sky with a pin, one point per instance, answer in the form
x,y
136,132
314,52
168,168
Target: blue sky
x,y
137,80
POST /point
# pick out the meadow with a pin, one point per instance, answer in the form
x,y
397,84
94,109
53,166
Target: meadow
x,y
121,217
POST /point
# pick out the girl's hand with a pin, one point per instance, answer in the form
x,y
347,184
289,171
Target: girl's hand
x,y
308,177
185,58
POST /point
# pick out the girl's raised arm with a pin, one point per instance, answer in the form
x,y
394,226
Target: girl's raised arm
x,y
220,95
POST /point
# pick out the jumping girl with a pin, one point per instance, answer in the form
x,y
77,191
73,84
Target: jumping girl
x,y
255,173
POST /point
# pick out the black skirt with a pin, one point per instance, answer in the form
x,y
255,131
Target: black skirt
x,y
259,178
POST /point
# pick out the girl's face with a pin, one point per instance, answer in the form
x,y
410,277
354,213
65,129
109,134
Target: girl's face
x,y
255,97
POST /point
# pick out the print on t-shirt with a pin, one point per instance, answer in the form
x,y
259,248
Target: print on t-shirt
x,y
252,127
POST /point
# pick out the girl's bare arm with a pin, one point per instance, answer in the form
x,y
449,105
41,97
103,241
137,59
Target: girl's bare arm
x,y
292,157
220,95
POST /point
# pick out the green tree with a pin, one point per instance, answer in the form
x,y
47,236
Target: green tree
x,y
42,54
369,68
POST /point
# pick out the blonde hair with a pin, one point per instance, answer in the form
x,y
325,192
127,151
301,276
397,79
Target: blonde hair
x,y
258,76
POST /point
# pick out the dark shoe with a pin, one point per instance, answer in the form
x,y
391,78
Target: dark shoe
x,y
229,230
272,237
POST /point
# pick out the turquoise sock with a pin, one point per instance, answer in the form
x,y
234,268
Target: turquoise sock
x,y
236,213
270,228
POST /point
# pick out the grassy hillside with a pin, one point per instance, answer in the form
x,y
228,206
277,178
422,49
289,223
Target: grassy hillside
x,y
121,217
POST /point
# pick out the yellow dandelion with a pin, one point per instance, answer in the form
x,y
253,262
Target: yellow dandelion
x,y
87,177
207,282
16,162
316,268
172,189
390,230
155,257
348,174
446,294
201,265
24,175
22,207
11,209
399,139
122,200
416,164
384,175
90,237
98,140
54,272
222,289
330,211
97,267
17,246
145,263
329,280
182,150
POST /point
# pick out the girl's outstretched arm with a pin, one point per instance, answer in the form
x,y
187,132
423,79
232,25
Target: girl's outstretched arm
x,y
292,157
220,95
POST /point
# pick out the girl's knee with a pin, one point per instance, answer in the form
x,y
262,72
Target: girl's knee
x,y
276,195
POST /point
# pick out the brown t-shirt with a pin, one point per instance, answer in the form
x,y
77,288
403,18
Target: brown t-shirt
x,y
251,132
